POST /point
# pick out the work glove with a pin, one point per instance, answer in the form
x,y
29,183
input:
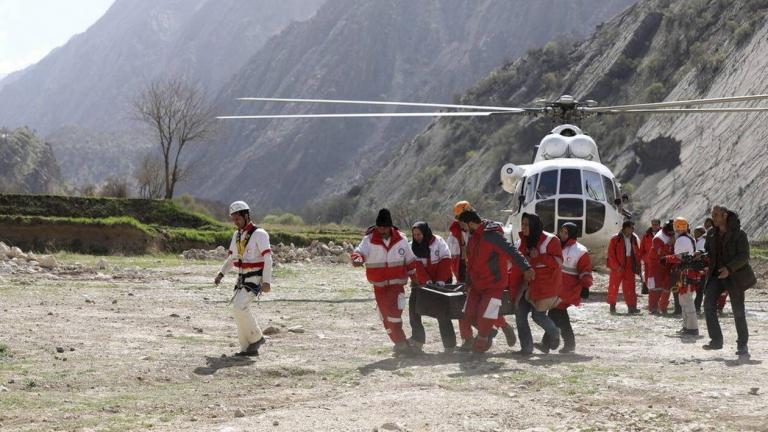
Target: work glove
x,y
585,293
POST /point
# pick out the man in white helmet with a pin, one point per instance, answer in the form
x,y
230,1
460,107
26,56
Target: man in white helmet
x,y
251,255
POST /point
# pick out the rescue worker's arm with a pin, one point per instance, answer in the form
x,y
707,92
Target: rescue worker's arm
x,y
613,264
227,266
444,265
455,251
361,252
265,249
415,267
554,256
508,249
584,267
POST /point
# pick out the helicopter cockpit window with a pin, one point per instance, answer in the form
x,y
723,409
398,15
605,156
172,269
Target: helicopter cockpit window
x,y
609,189
547,185
530,188
595,216
593,186
570,181
546,211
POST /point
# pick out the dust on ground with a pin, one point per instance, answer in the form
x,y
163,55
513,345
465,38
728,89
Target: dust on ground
x,y
145,344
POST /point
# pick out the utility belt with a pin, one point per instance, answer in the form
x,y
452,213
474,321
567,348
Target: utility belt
x,y
251,287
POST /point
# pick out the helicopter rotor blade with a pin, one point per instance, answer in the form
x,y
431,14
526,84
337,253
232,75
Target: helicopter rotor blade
x,y
367,102
358,115
677,103
685,111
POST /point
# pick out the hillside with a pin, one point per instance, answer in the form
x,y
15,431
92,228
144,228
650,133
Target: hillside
x,y
424,50
675,165
27,164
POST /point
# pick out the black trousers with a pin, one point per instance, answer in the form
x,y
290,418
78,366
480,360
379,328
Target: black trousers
x,y
563,322
714,288
447,333
700,293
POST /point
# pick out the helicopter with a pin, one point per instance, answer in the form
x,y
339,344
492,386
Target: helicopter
x,y
566,182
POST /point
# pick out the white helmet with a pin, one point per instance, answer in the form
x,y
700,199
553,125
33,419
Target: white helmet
x,y
238,206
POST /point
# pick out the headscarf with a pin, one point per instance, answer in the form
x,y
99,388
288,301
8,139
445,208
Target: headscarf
x,y
535,228
421,249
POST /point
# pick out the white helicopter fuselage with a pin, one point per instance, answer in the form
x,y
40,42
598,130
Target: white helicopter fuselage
x,y
566,183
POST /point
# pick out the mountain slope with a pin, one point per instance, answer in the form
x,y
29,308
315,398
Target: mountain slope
x,y
424,50
676,165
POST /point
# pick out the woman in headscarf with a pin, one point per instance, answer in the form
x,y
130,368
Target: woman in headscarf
x,y
544,253
433,252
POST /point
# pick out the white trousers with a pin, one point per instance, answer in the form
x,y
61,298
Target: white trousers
x,y
690,320
248,331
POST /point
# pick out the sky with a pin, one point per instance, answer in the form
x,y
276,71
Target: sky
x,y
30,29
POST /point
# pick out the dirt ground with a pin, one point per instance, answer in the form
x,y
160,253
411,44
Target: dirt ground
x,y
146,345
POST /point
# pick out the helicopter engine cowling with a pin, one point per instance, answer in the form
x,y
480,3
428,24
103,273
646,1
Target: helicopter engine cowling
x,y
510,175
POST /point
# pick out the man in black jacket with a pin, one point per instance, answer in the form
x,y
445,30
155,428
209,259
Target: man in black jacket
x,y
729,270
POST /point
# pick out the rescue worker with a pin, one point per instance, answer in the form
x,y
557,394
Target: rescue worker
x,y
729,270
457,245
624,264
699,234
389,261
659,280
685,280
488,256
433,253
577,279
545,255
645,247
251,255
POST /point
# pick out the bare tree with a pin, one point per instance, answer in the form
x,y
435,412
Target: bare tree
x,y
149,177
178,115
115,188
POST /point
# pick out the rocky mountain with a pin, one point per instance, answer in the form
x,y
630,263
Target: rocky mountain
x,y
413,50
27,164
91,82
674,164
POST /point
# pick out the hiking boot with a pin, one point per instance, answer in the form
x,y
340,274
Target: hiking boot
x,y
253,349
654,312
742,352
712,345
491,335
467,345
523,353
509,333
567,348
692,332
633,310
613,309
416,346
402,349
541,346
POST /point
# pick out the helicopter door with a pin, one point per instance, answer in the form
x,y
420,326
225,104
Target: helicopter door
x,y
546,191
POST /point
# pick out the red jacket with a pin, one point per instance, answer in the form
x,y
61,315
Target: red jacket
x,y
645,245
388,264
577,273
457,246
658,272
488,257
617,255
438,264
548,266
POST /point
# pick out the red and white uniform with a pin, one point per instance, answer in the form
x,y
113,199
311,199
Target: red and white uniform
x,y
646,242
251,256
688,282
489,256
577,273
457,245
659,279
623,261
438,265
388,263
547,265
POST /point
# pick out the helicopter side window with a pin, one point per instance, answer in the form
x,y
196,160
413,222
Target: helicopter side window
x,y
609,189
547,185
595,216
530,188
570,181
593,186
546,211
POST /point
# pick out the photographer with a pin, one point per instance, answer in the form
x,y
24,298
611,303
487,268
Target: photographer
x,y
729,270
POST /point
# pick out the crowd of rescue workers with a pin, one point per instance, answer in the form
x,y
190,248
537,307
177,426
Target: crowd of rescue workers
x,y
540,274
